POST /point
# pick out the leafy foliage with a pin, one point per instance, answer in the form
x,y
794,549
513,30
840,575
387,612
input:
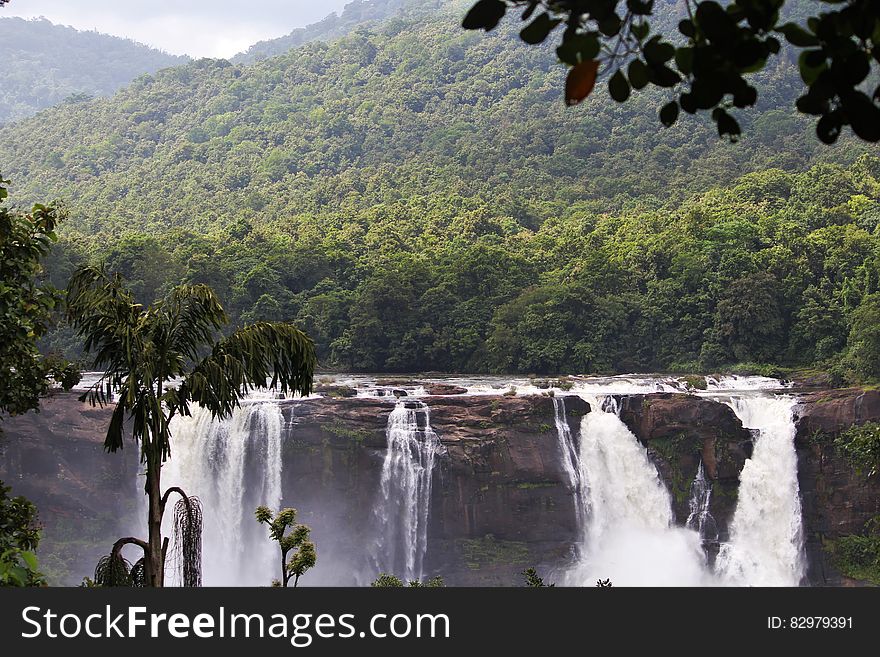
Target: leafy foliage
x,y
26,306
114,571
143,352
298,553
140,350
864,339
188,541
533,580
858,555
861,446
706,60
19,538
386,581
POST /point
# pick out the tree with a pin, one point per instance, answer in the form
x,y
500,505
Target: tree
x,y
141,351
705,66
386,581
296,541
533,580
860,444
26,306
864,339
19,537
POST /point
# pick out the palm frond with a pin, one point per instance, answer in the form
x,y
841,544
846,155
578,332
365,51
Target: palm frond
x,y
104,313
271,355
116,430
186,321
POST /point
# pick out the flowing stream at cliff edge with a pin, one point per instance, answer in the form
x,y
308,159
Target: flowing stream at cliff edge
x,y
629,536
233,466
766,536
404,504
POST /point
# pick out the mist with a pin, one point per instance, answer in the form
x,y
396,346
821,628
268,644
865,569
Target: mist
x,y
199,28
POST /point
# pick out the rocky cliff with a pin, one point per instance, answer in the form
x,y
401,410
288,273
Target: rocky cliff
x,y
499,504
85,497
837,500
500,501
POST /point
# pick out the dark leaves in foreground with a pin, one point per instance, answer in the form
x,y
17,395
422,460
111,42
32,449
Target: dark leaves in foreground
x,y
706,65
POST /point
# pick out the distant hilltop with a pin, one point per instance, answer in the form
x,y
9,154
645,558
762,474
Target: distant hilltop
x,y
44,64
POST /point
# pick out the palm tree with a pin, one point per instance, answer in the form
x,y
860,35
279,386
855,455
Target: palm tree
x,y
159,360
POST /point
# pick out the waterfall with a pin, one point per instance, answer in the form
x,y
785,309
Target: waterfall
x,y
567,447
766,537
700,518
570,460
403,507
233,466
629,535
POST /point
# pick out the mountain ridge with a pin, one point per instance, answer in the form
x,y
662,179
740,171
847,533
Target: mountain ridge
x,y
47,63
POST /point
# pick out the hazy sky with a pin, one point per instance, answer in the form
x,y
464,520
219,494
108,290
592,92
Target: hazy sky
x,y
200,28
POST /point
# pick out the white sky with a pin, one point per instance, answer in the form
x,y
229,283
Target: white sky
x,y
199,28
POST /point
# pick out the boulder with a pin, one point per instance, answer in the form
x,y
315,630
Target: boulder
x,y
444,389
336,391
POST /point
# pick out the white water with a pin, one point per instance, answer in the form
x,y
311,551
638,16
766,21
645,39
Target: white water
x,y
568,450
233,467
570,460
403,508
629,535
700,517
766,543
623,508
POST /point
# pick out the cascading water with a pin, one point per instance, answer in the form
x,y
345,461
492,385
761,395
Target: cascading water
x,y
233,466
629,535
766,537
567,448
700,517
570,460
403,507
624,511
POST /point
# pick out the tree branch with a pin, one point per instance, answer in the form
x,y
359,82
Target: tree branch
x,y
179,491
130,540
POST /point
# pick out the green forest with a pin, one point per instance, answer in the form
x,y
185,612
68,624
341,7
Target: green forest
x,y
45,64
360,13
417,197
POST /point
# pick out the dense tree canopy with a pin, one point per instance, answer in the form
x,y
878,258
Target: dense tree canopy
x,y
26,305
415,196
776,267
706,60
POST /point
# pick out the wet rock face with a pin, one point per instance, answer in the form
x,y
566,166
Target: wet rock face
x,y
829,412
85,497
837,500
679,431
499,502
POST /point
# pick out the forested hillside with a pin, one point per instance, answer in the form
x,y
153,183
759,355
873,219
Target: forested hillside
x,y
44,64
358,13
418,197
